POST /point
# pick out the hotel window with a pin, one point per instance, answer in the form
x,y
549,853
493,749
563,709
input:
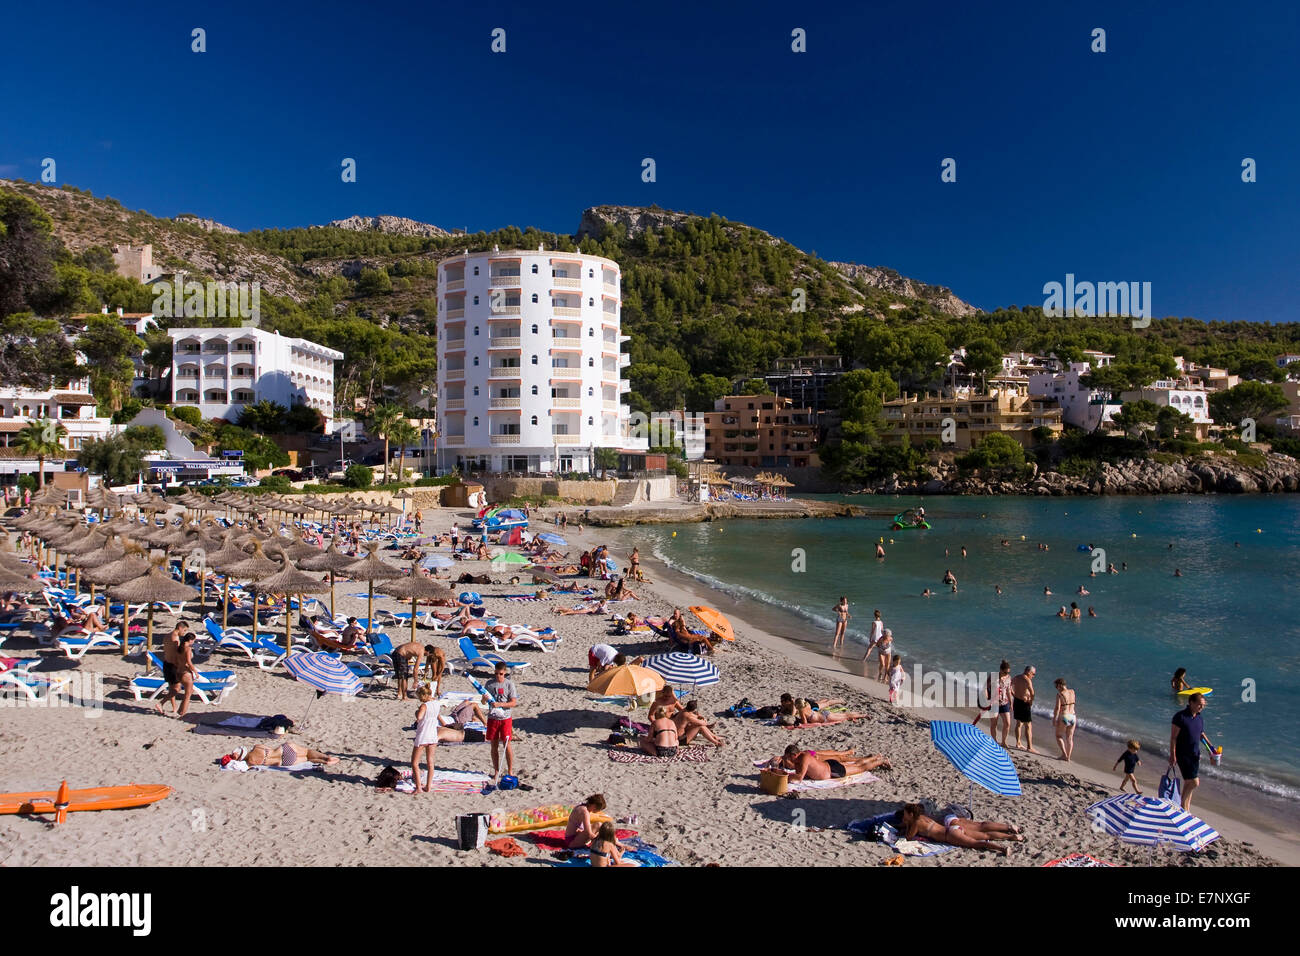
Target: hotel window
x,y
591,363
534,327
591,273
476,297
590,391
534,273
534,359
591,333
590,301
476,300
476,391
534,302
534,419
476,330
476,417
591,420
475,361
534,389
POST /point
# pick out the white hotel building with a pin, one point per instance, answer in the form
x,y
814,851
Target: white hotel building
x,y
221,371
529,361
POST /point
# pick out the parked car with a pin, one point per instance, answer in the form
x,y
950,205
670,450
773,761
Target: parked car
x,y
293,474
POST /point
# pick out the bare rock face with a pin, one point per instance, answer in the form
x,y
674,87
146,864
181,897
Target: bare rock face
x,y
207,225
890,281
636,219
393,225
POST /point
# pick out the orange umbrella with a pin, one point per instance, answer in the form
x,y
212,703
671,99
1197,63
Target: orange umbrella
x,y
715,622
629,680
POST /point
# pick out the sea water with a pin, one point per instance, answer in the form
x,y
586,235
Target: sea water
x,y
1232,618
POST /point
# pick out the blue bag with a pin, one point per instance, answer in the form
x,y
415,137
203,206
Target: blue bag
x,y
1170,789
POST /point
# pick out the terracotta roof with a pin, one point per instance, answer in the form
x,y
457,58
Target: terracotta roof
x,y
73,398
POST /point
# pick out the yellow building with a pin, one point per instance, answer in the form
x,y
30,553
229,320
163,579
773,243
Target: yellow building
x,y
962,422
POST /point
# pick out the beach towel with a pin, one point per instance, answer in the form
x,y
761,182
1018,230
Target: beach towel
x,y
636,851
683,755
506,846
240,766
892,838
1078,859
521,597
554,839
798,786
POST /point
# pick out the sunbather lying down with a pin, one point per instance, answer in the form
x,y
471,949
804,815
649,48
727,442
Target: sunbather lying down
x,y
286,755
598,608
801,713
957,831
826,764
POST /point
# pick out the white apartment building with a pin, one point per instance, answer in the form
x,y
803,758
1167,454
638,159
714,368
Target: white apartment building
x,y
1190,398
529,362
71,405
221,371
1081,405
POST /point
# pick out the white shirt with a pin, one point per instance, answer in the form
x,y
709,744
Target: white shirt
x,y
604,653
877,630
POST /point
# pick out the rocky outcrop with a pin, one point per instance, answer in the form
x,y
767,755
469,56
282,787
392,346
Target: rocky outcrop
x,y
890,281
636,219
1201,474
207,225
393,225
719,511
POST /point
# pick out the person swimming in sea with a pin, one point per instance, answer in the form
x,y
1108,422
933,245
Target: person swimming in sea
x,y
880,550
997,589
1062,613
1075,613
1178,573
1179,681
949,577
927,593
1082,590
1047,592
1111,569
1091,612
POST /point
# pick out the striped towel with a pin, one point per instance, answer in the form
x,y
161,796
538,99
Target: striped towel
x,y
521,597
683,755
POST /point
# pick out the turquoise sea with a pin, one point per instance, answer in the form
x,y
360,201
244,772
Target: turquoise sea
x,y
1232,619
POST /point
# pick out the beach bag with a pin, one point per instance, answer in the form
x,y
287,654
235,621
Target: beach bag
x,y
508,782
471,831
1170,789
774,782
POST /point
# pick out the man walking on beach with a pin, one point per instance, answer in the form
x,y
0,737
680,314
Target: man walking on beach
x,y
501,698
1022,706
1185,746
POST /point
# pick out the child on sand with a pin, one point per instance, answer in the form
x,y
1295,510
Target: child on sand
x,y
426,738
1131,762
896,678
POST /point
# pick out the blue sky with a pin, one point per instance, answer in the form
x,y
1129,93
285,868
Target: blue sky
x,y
1115,166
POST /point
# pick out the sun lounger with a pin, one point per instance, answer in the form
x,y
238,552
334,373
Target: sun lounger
x,y
76,647
545,640
210,687
487,661
231,638
31,687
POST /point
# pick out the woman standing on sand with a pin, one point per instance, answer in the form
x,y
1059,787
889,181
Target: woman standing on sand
x,y
841,621
1064,719
1003,697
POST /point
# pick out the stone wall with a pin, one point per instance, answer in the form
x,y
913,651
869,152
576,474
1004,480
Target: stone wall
x,y
579,492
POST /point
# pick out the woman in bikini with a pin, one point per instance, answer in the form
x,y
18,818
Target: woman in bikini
x,y
286,755
606,850
662,739
958,831
804,711
841,621
1003,696
1064,719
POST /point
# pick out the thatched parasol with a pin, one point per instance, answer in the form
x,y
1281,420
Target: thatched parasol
x,y
155,586
289,580
370,569
416,587
253,568
332,560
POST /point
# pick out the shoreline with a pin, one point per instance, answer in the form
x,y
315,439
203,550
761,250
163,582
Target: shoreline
x,y
1270,823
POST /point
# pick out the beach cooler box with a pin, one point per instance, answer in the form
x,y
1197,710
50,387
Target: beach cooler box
x,y
471,831
774,782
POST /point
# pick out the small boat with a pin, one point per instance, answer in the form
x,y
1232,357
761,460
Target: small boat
x,y
501,519
63,801
910,520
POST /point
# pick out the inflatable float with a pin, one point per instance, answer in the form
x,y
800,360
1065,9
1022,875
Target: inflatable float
x,y
538,818
909,520
63,801
1203,691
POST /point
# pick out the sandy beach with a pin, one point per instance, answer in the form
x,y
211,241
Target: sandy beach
x,y
694,813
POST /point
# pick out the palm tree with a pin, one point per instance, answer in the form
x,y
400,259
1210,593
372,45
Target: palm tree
x,y
406,435
42,439
383,419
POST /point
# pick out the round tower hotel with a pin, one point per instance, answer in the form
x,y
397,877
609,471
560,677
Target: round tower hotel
x,y
529,361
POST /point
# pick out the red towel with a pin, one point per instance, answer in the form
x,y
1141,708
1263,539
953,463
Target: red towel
x,y
554,839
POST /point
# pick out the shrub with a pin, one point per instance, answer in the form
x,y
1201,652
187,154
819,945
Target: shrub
x,y
435,481
358,476
274,484
187,414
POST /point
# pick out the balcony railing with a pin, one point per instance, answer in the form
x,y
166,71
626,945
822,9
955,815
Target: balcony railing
x,y
455,314
452,404
506,279
504,371
565,439
568,312
611,288
611,405
566,402
505,402
505,439
503,342
499,310
454,374
567,282
454,344
454,284
453,439
557,372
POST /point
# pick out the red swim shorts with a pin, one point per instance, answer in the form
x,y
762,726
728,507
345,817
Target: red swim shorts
x,y
499,729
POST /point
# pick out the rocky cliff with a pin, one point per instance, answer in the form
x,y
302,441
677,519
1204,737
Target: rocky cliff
x,y
1199,474
393,225
890,281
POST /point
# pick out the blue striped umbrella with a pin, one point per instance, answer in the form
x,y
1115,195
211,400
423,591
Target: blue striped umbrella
x,y
551,538
682,668
325,672
977,756
1151,821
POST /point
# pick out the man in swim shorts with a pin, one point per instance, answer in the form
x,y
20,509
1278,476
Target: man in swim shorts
x,y
827,764
1022,706
1185,745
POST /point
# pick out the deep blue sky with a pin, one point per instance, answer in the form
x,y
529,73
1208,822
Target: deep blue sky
x,y
1117,166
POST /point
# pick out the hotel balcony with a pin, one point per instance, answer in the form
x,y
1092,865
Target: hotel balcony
x,y
453,404
454,285
507,279
610,288
503,342
566,403
565,372
455,440
624,360
567,312
454,345
566,439
505,402
567,282
504,371
454,314
499,311
454,374
505,439
608,405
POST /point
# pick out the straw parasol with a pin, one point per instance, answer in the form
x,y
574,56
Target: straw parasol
x,y
253,568
289,580
154,586
417,588
229,552
370,569
332,560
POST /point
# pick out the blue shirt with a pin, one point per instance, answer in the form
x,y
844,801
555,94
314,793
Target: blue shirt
x,y
1190,728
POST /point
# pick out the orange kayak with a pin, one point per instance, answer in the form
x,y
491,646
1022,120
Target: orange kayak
x,y
93,798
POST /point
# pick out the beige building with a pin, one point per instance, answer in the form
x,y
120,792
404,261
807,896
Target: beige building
x,y
136,262
760,431
1007,408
